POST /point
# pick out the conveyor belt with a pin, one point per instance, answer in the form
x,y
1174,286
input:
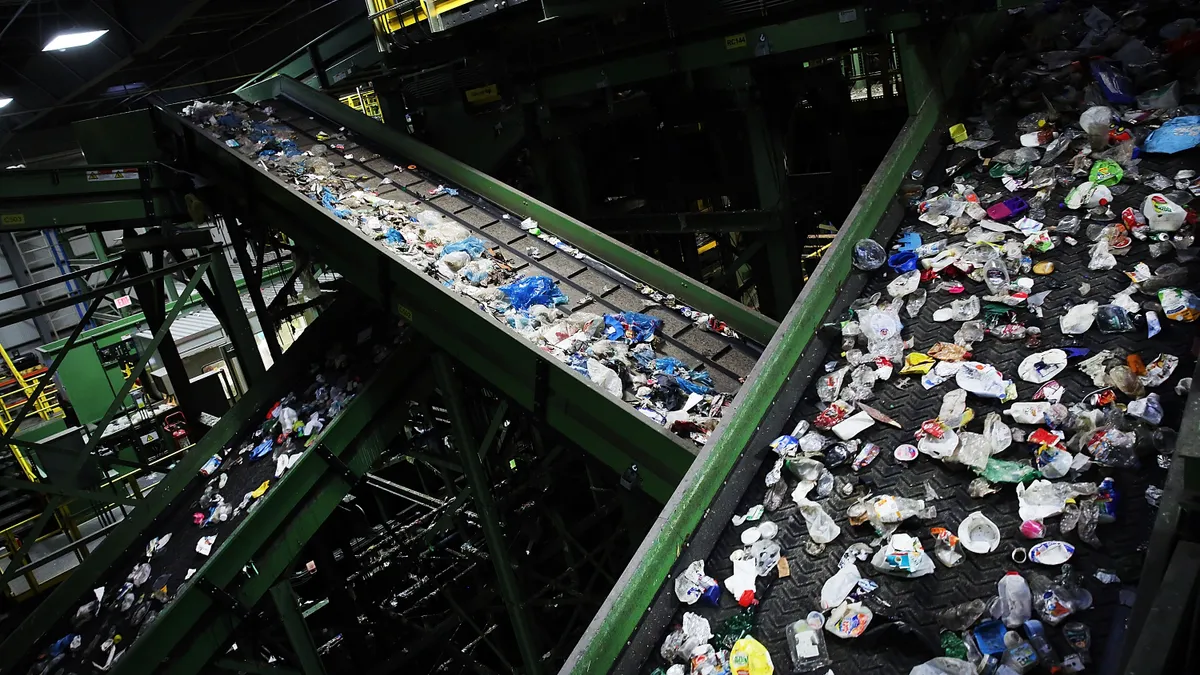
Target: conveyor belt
x,y
609,429
363,344
590,286
917,602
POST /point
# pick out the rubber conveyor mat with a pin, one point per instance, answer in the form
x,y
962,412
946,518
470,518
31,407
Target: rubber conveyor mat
x,y
348,353
916,602
612,430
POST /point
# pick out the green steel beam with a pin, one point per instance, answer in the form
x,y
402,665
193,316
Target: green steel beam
x,y
602,425
198,624
493,529
685,223
76,181
311,346
35,199
743,319
851,23
61,491
235,666
350,39
78,461
621,612
125,324
241,334
296,628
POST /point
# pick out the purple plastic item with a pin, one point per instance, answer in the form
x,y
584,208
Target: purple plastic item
x,y
1013,206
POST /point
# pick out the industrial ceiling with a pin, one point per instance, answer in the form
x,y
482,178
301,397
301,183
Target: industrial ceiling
x,y
152,52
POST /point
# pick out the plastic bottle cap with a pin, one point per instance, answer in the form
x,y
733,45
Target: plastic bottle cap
x,y
1103,202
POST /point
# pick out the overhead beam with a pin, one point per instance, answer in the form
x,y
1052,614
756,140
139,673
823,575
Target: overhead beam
x,y
811,31
685,223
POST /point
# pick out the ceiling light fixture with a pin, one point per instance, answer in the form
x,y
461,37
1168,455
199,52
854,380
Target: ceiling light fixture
x,y
4,100
70,40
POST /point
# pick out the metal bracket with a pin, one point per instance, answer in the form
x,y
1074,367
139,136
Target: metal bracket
x,y
541,388
223,598
144,179
337,464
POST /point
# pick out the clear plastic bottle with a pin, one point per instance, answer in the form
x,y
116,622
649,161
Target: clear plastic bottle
x,y
995,274
1016,601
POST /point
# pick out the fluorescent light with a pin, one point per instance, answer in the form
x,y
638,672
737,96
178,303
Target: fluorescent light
x,y
69,40
125,88
4,100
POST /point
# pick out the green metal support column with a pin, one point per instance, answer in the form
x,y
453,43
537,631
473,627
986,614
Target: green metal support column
x,y
68,595
296,629
770,178
493,529
241,334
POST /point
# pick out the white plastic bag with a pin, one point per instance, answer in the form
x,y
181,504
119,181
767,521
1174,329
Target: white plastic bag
x,y
821,528
838,586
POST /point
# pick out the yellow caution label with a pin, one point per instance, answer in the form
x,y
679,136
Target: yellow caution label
x,y
735,41
404,312
485,94
12,219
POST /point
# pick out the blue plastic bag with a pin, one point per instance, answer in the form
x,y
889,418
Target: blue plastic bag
x,y
1116,87
669,365
394,236
1176,135
329,201
529,291
631,327
472,245
261,449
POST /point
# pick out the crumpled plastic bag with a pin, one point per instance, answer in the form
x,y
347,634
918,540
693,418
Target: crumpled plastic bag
x,y
632,327
606,377
821,528
679,645
538,290
749,657
837,587
1042,499
1079,318
1175,135
943,665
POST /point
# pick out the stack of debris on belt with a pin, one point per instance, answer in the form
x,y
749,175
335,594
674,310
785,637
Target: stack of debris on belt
x,y
975,470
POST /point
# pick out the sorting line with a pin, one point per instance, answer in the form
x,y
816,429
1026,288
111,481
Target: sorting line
x,y
600,299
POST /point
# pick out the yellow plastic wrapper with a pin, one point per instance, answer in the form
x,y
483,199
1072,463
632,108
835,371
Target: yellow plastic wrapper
x,y
916,363
749,657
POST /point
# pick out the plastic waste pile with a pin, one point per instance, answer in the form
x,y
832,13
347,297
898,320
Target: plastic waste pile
x,y
1052,393
234,481
615,351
